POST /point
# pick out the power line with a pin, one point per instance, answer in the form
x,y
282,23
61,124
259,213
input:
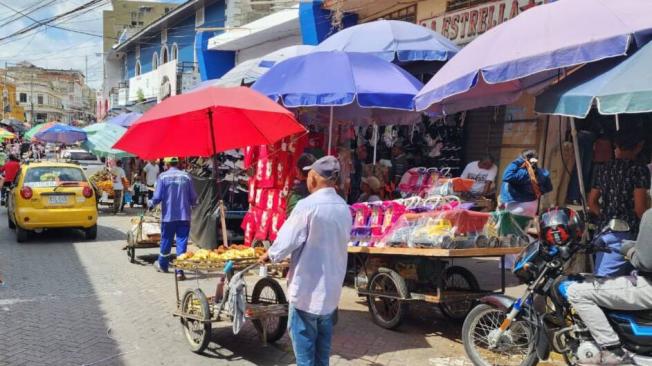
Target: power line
x,y
47,22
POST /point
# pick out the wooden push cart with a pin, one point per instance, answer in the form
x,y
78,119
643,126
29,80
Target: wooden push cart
x,y
266,307
391,278
145,233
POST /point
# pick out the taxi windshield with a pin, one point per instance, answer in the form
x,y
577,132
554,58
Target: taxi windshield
x,y
52,175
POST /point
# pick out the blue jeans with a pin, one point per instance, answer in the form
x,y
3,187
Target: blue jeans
x,y
168,230
311,337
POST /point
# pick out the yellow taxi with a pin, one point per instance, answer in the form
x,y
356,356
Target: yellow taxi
x,y
49,195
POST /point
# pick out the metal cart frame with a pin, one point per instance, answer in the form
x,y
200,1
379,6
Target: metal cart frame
x,y
388,293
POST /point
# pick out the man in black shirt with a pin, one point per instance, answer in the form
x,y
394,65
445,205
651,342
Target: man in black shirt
x,y
620,186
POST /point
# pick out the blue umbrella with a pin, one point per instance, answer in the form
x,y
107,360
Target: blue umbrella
x,y
390,40
60,133
527,51
124,119
616,86
335,79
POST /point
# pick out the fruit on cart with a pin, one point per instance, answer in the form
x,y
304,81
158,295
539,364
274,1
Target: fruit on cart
x,y
222,254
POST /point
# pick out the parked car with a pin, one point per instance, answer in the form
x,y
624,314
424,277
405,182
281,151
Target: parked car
x,y
90,163
49,195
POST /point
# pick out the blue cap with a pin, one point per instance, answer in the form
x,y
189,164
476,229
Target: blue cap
x,y
328,167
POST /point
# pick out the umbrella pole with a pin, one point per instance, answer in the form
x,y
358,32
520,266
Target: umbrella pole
x,y
617,122
330,132
225,239
374,136
578,165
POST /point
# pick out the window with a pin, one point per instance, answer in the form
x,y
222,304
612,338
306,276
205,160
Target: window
x,y
175,52
199,16
51,175
39,99
164,36
138,51
22,97
155,61
137,70
164,55
133,24
167,10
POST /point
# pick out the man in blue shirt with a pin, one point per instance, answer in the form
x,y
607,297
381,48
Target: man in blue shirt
x,y
176,194
523,183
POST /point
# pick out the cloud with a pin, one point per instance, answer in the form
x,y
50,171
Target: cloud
x,y
54,48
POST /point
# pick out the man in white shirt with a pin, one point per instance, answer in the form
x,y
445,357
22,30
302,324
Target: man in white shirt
x,y
150,174
483,172
118,175
316,236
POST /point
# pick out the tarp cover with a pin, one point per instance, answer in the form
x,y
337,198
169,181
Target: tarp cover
x,y
205,216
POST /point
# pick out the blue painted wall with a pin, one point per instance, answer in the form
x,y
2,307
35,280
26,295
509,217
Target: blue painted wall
x,y
182,32
315,22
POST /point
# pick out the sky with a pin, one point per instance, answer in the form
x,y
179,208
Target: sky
x,y
53,48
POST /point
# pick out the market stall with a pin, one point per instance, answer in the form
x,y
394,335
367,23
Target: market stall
x,y
403,251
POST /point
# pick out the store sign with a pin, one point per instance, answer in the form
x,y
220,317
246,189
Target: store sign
x,y
463,26
158,84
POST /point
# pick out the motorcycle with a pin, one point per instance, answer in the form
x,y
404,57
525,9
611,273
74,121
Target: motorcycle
x,y
502,330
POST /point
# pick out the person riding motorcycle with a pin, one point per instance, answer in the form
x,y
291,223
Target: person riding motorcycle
x,y
630,293
9,172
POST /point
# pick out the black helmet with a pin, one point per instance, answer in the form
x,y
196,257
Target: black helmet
x,y
560,226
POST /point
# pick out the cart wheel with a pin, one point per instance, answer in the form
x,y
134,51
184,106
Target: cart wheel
x,y
387,312
457,279
268,291
198,333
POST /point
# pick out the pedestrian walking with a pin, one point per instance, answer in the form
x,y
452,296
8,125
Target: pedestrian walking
x,y
176,194
315,236
118,175
150,174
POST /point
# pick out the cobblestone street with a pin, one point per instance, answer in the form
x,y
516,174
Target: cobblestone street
x,y
67,301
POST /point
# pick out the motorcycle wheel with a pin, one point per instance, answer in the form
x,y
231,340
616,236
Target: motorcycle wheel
x,y
516,346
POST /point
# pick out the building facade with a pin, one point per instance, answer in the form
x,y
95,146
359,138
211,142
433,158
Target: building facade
x,y
165,57
127,15
51,94
11,109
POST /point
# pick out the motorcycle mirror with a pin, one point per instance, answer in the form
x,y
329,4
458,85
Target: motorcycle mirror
x,y
617,225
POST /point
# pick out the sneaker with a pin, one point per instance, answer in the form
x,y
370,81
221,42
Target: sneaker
x,y
158,268
609,358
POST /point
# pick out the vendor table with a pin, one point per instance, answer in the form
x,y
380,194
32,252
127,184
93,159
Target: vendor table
x,y
391,277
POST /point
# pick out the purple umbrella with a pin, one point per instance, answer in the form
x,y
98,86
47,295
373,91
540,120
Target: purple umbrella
x,y
124,119
60,133
526,52
340,80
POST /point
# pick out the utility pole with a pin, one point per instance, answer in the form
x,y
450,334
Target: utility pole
x,y
31,96
5,90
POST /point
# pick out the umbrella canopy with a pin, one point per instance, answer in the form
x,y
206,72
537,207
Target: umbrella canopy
x,y
61,133
206,122
15,124
124,119
249,71
491,71
6,135
101,137
392,40
617,86
34,130
371,81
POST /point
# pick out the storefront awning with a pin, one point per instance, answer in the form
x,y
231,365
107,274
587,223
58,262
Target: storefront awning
x,y
283,23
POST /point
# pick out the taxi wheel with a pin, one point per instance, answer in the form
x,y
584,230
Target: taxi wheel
x,y
91,233
10,223
21,234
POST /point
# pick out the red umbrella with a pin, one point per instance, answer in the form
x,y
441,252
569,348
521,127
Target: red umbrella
x,y
206,122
